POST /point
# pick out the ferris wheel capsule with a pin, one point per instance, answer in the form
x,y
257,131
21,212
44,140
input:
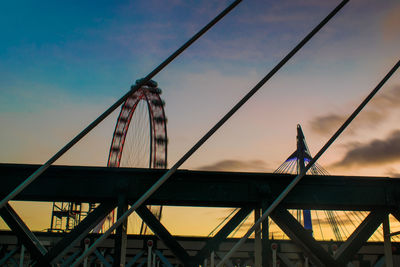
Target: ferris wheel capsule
x,y
150,83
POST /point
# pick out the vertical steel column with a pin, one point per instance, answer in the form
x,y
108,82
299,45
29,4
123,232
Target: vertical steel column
x,y
257,239
85,260
386,242
274,247
149,252
301,149
266,251
306,264
121,234
22,256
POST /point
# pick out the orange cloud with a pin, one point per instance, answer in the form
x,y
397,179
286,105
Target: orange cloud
x,y
236,165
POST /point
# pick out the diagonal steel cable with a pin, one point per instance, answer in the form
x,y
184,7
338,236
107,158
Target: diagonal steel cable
x,y
90,127
199,143
286,191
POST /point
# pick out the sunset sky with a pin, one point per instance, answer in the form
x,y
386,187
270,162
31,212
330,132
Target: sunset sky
x,y
63,63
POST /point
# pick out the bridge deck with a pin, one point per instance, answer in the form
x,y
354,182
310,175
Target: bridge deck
x,y
201,188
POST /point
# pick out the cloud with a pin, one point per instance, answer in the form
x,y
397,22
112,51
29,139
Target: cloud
x,y
254,31
391,24
392,172
389,98
236,165
327,123
377,110
376,152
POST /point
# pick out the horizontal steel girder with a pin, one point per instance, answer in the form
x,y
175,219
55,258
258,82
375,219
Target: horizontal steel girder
x,y
200,188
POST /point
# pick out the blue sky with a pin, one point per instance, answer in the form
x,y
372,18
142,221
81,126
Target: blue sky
x,y
63,63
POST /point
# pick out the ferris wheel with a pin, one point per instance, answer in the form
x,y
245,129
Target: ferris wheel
x,y
140,136
139,140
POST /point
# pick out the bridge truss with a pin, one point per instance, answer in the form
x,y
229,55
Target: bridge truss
x,y
246,191
271,193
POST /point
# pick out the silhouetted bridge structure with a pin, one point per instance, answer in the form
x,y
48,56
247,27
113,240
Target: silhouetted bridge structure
x,y
247,191
272,194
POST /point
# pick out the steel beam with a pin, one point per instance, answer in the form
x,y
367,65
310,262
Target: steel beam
x,y
120,237
18,226
353,244
191,244
396,213
70,259
257,239
163,259
78,233
302,237
387,242
266,244
155,225
8,256
285,261
102,259
134,259
221,255
215,241
199,188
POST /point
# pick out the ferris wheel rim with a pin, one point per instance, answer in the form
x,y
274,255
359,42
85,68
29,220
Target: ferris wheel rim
x,y
153,101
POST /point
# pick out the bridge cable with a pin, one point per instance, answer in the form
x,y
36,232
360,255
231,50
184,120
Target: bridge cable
x,y
224,220
286,191
134,88
199,143
319,224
